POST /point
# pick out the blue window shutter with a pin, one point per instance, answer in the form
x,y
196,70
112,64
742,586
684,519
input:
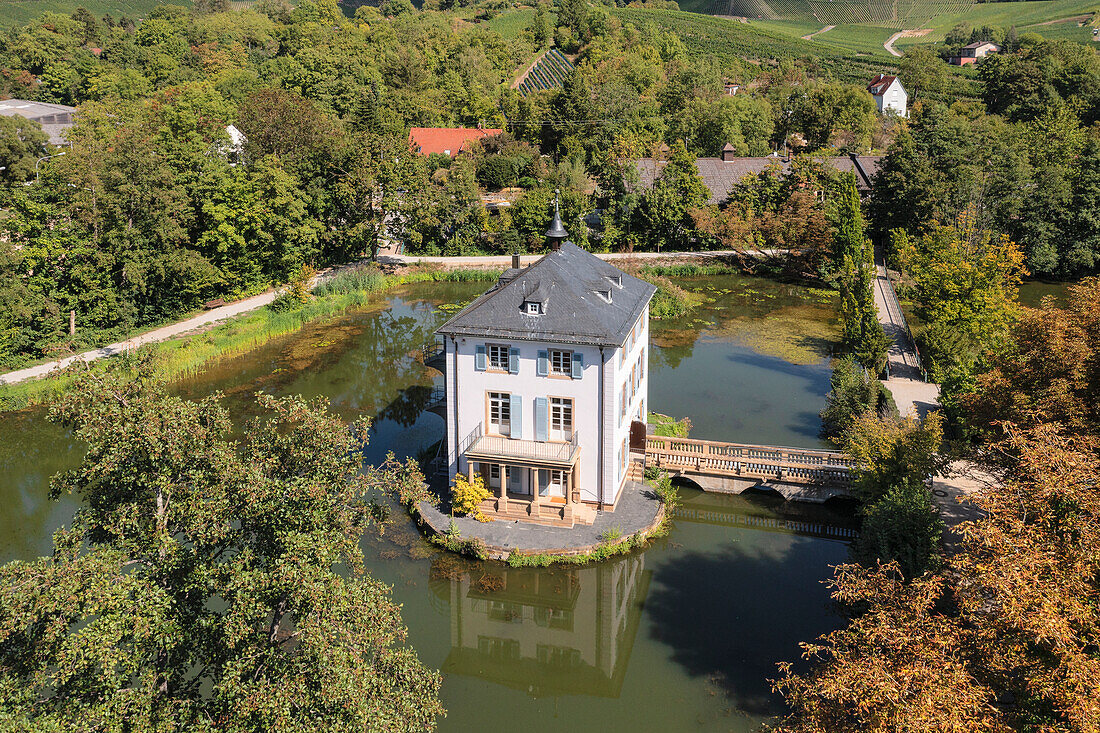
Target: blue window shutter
x,y
578,365
479,357
513,361
541,419
543,364
515,420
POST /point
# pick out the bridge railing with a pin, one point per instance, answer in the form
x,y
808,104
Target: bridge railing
x,y
797,465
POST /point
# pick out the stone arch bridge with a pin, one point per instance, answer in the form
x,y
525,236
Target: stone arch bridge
x,y
799,474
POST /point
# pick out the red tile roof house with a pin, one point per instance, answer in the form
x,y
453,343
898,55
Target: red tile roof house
x,y
447,140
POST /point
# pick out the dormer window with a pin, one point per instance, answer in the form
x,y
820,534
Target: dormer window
x,y
532,308
616,280
605,295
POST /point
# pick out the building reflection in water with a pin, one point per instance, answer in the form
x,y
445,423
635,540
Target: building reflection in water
x,y
546,631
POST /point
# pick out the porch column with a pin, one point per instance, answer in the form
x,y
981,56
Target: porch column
x,y
567,513
502,490
536,501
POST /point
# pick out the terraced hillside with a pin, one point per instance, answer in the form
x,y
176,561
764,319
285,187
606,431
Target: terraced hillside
x,y
721,38
18,12
860,26
549,72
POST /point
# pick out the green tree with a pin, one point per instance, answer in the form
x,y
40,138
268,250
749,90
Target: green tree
x,y
573,14
210,583
22,142
677,191
862,333
834,114
923,72
967,282
539,29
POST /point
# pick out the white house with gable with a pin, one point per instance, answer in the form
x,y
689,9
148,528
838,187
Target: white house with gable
x,y
546,373
889,94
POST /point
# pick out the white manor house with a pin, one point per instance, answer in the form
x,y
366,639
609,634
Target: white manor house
x,y
546,375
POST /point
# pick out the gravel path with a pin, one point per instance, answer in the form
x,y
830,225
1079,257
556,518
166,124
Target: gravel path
x,y
810,36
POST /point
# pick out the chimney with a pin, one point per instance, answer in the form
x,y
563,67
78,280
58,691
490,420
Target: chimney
x,y
728,153
515,260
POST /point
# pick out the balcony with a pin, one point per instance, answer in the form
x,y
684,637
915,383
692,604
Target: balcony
x,y
501,449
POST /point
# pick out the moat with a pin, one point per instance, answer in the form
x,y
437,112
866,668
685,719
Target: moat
x,y
682,636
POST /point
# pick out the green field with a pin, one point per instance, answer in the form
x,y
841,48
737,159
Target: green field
x,y
857,38
863,25
724,39
18,12
512,23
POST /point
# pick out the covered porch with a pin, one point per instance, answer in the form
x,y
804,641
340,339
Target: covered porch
x,y
528,480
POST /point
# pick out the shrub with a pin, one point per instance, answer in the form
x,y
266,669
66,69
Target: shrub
x,y
902,526
611,534
669,427
467,495
852,392
300,284
666,492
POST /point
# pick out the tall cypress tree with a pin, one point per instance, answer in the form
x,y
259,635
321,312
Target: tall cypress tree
x,y
862,333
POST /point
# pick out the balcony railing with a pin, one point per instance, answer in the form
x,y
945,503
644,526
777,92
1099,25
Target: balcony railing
x,y
498,447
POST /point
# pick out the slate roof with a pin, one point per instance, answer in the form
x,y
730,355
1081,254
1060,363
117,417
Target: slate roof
x,y
979,44
722,175
54,118
447,140
567,281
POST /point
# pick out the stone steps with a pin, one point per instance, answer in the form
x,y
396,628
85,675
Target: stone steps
x,y
549,514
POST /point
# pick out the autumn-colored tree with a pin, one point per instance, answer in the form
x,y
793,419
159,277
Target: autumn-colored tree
x,y
467,495
1004,639
899,665
1049,371
1029,583
208,583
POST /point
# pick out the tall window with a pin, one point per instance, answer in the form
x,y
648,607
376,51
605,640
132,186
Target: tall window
x,y
500,413
497,355
561,362
561,418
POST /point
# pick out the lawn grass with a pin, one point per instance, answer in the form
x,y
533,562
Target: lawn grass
x,y
188,354
19,12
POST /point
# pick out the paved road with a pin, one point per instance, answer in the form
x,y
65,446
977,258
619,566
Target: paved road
x,y
226,312
914,396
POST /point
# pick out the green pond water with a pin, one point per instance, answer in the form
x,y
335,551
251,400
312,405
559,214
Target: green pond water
x,y
682,636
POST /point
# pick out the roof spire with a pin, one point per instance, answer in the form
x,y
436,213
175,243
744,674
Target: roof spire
x,y
556,234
